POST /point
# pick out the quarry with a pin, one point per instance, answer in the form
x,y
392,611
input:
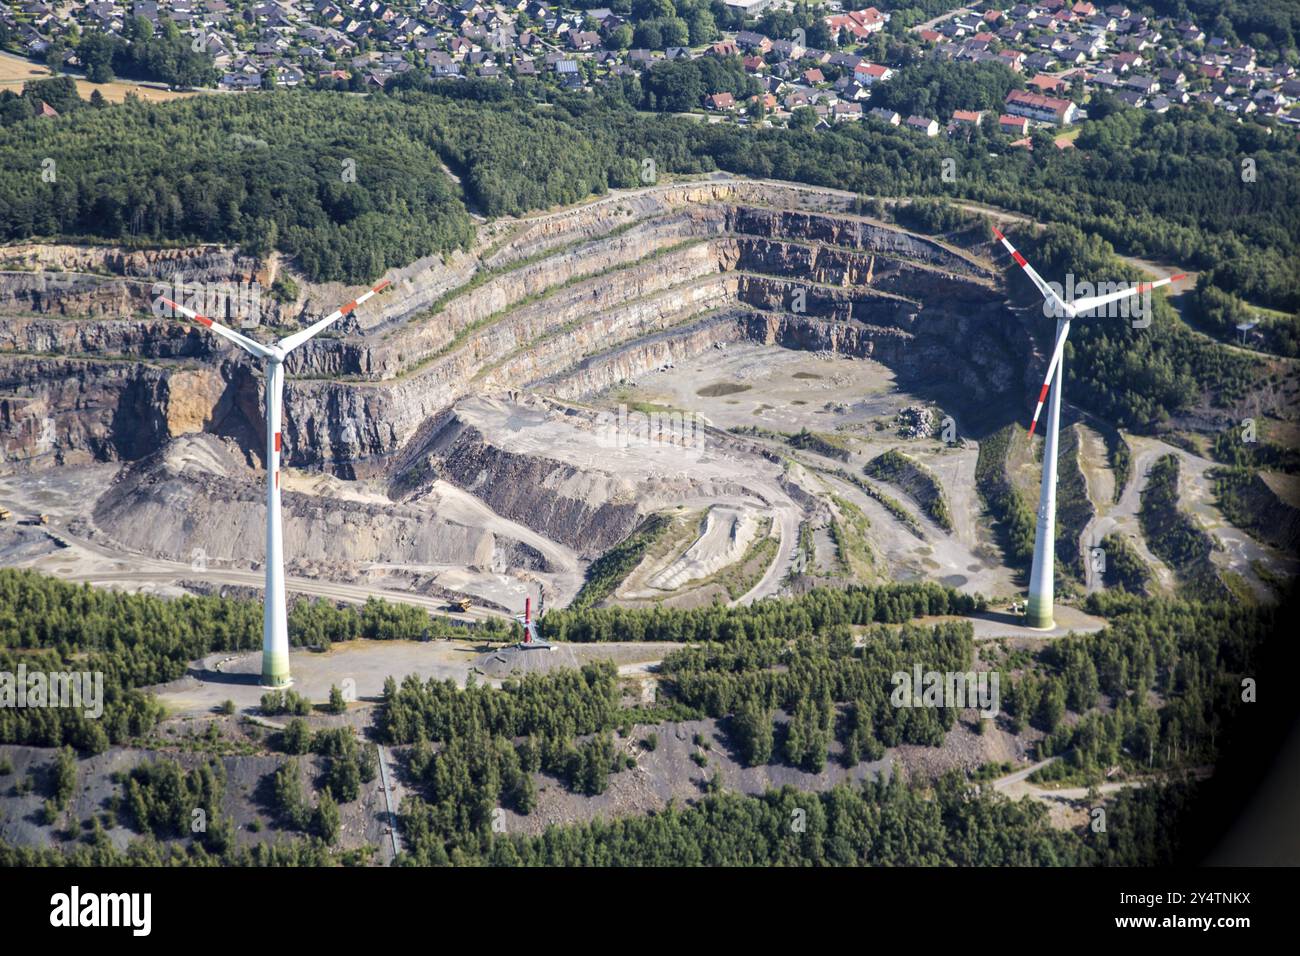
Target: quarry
x,y
710,367
473,432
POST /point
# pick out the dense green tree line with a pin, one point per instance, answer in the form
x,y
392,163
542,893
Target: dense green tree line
x,y
561,705
349,192
811,613
885,824
678,86
142,54
98,850
1014,518
1169,186
136,640
935,88
809,677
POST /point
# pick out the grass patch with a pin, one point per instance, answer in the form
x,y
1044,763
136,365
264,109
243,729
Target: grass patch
x,y
1173,536
608,571
914,480
718,389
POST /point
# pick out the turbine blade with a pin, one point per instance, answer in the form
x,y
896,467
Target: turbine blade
x,y
1034,277
1052,366
291,342
243,341
1091,302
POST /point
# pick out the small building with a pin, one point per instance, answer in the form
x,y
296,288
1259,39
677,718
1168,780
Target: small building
x,y
1013,125
1044,109
927,126
869,73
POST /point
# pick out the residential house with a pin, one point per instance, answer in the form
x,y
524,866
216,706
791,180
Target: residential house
x,y
923,125
1044,109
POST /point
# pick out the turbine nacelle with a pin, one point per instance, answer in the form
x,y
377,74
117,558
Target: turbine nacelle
x,y
1066,311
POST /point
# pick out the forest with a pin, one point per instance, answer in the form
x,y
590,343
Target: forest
x,y
353,186
878,824
137,640
1168,672
1267,25
935,88
142,54
1137,372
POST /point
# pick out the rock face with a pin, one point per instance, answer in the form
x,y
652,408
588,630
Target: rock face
x,y
175,505
569,509
573,301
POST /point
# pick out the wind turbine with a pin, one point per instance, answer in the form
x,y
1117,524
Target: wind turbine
x,y
1038,613
275,626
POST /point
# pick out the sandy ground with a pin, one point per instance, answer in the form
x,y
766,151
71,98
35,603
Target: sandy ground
x,y
669,773
15,71
359,669
998,623
69,547
783,389
1099,482
708,472
1239,550
723,539
1121,517
786,391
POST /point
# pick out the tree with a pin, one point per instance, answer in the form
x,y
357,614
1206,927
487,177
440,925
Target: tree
x,y
325,821
751,729
620,38
1051,707
296,737
337,704
287,787
344,777
703,28
64,776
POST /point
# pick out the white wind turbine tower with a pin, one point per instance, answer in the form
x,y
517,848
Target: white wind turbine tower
x,y
275,625
1039,613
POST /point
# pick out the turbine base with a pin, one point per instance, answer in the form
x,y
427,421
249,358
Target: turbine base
x,y
1039,618
275,670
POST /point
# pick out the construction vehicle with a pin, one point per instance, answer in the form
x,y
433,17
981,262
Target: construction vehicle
x,y
44,519
5,514
462,604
